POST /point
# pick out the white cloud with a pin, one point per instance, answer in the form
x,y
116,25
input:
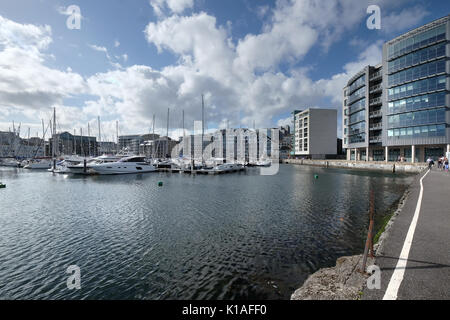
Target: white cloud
x,y
285,122
25,82
24,36
98,48
116,43
174,6
405,19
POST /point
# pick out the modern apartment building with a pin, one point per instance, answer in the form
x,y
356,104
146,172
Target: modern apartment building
x,y
315,133
362,120
400,109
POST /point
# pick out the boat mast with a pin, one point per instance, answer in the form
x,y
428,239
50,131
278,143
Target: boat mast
x,y
154,138
43,136
81,143
166,148
28,143
203,124
89,139
99,135
54,140
117,136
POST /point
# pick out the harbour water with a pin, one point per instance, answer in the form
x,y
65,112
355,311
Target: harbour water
x,y
235,236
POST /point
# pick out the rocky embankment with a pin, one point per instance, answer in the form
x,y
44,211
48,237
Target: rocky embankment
x,y
342,282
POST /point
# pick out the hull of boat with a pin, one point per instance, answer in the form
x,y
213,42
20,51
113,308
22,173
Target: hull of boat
x,y
125,169
38,166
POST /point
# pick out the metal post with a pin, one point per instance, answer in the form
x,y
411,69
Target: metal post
x,y
369,242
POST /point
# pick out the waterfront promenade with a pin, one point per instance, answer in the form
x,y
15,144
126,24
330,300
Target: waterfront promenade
x,y
420,235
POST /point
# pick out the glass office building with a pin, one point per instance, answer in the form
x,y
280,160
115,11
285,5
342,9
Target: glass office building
x,y
410,118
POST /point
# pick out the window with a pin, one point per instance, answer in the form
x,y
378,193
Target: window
x,y
415,42
417,87
417,72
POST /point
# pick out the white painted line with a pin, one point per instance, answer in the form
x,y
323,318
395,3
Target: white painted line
x,y
399,272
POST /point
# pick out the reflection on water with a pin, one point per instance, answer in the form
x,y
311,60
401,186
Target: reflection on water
x,y
235,236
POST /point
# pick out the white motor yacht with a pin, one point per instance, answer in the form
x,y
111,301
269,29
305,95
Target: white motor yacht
x,y
10,163
135,164
228,167
263,163
78,167
39,164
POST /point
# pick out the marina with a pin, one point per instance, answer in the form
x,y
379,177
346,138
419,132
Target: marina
x,y
179,236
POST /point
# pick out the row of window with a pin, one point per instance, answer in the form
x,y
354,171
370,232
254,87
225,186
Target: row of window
x,y
359,116
357,138
418,132
417,87
361,104
418,72
418,41
361,92
417,118
358,82
417,57
416,103
357,128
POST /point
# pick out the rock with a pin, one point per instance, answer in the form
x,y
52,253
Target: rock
x,y
342,282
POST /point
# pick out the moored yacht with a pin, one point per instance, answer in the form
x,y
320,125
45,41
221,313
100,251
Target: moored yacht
x,y
78,167
10,163
135,164
228,167
38,164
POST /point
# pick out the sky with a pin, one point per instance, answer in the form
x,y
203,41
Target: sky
x,y
255,61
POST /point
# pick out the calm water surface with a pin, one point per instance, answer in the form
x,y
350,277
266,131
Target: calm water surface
x,y
235,236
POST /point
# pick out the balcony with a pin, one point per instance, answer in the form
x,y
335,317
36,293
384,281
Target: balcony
x,y
375,76
375,114
375,139
375,101
376,126
375,89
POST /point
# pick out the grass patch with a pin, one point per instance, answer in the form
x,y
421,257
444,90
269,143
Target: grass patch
x,y
384,223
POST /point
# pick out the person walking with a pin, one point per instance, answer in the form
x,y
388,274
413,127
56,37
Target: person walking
x,y
430,163
440,163
446,164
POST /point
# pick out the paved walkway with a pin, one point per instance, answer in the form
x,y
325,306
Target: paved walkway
x,y
425,274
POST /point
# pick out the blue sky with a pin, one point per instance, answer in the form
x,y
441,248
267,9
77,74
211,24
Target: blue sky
x,y
255,60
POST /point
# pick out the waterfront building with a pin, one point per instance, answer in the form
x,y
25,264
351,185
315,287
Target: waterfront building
x,y
232,145
315,133
286,142
132,143
12,145
159,148
69,144
106,147
400,109
362,119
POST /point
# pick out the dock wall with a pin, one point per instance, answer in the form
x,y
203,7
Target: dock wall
x,y
362,165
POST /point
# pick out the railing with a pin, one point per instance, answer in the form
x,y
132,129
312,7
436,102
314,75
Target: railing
x,y
375,75
376,88
376,126
375,139
375,114
375,101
